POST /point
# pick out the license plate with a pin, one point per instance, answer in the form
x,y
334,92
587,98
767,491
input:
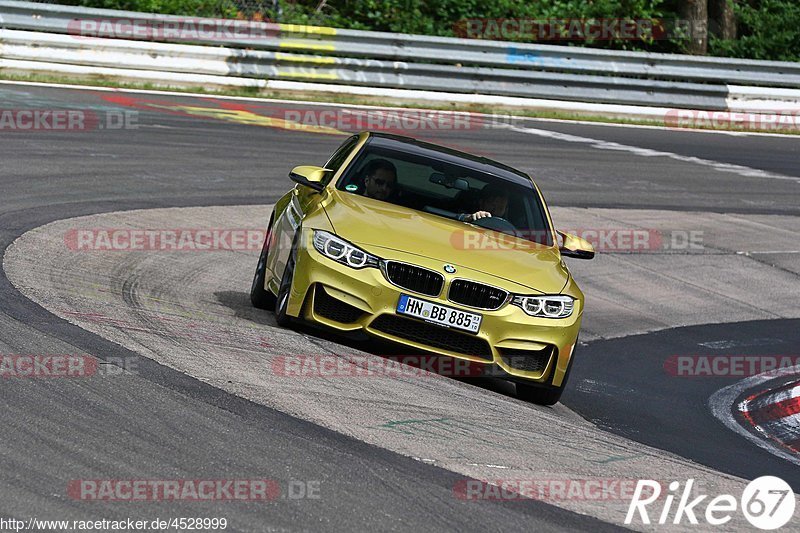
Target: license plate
x,y
439,314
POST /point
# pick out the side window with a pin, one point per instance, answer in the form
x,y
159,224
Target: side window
x,y
340,155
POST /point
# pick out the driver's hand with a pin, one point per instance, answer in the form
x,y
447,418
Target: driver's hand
x,y
478,215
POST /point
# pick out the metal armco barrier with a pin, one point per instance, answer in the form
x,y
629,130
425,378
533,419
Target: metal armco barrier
x,y
35,35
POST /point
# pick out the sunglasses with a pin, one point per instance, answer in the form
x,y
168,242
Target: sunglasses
x,y
382,182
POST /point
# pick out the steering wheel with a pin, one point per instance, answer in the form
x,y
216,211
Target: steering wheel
x,y
497,224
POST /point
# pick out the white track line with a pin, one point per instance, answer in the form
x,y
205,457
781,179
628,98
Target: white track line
x,y
755,252
646,152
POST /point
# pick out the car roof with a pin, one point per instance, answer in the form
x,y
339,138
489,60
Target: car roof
x,y
449,155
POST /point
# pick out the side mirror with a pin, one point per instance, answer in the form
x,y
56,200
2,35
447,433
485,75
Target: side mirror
x,y
309,176
574,246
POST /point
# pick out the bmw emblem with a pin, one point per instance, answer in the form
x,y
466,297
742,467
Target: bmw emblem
x,y
450,269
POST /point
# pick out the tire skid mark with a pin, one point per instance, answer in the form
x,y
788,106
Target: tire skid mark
x,y
465,429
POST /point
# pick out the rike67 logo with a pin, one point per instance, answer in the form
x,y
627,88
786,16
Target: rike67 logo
x,y
767,502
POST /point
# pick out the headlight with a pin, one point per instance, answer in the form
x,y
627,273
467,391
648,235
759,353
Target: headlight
x,y
342,251
557,306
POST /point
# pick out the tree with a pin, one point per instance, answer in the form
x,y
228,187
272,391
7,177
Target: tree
x,y
695,13
721,19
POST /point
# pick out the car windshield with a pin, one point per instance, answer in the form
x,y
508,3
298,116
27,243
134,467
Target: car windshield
x,y
449,190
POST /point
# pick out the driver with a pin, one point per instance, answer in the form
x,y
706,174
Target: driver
x,y
380,179
493,202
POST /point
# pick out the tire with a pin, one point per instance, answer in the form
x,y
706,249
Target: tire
x,y
282,301
259,296
539,395
548,394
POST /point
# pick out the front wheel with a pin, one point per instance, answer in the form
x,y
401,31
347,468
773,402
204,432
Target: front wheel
x,y
282,304
259,296
539,395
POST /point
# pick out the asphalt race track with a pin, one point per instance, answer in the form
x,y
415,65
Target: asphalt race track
x,y
196,399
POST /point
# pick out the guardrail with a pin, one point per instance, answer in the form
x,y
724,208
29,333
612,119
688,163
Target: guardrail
x,y
36,34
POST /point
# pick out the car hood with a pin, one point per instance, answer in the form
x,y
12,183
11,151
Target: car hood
x,y
373,223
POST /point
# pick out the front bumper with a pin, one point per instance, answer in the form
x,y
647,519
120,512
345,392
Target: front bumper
x,y
520,347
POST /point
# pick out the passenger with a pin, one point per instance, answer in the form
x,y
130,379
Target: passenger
x,y
493,202
380,179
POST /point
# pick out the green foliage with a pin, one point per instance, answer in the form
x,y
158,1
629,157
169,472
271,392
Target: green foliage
x,y
195,8
768,29
439,17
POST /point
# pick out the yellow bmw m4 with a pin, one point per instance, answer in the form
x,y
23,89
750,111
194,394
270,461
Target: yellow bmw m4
x,y
432,248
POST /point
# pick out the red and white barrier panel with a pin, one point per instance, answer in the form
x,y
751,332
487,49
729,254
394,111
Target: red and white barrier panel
x,y
775,413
